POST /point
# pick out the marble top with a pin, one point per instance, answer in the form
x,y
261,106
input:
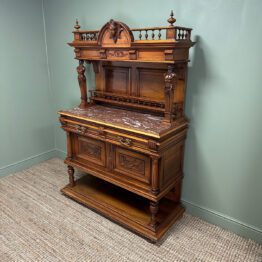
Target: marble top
x,y
120,118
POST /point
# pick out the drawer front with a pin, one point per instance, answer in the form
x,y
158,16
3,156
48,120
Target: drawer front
x,y
90,149
85,130
132,164
106,134
127,141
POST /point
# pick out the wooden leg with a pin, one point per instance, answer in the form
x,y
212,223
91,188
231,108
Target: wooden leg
x,y
71,171
175,193
154,207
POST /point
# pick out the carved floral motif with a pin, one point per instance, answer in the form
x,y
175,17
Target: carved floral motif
x,y
131,163
91,149
116,53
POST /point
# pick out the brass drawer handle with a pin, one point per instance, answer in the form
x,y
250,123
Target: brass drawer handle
x,y
125,141
81,129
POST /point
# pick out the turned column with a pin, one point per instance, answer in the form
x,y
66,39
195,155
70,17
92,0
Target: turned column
x,y
71,171
155,175
170,82
69,145
82,84
154,207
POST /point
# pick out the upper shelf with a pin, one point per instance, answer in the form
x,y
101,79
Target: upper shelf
x,y
143,35
116,41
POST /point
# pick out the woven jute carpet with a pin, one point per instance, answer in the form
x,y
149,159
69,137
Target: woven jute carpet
x,y
38,223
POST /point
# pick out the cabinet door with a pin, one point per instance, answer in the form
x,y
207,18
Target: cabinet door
x,y
132,164
89,149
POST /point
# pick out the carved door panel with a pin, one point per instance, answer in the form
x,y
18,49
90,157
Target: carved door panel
x,y
90,149
132,164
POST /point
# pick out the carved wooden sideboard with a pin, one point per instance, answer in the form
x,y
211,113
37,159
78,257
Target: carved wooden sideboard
x,y
129,136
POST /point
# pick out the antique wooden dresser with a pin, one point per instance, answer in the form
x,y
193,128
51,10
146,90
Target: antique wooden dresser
x,y
128,135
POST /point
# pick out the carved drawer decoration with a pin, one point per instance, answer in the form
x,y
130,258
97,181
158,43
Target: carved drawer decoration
x,y
117,54
132,164
91,150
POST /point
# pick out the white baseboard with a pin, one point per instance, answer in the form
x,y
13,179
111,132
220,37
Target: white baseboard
x,y
224,221
28,162
60,154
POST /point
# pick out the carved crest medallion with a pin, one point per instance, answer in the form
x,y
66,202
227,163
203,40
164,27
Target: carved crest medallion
x,y
115,30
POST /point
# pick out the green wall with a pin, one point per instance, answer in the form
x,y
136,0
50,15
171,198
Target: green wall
x,y
26,125
223,158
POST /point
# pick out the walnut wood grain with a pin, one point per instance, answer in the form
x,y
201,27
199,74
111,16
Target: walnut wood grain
x,y
130,137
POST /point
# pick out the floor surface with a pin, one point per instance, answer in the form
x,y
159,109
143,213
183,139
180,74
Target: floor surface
x,y
38,223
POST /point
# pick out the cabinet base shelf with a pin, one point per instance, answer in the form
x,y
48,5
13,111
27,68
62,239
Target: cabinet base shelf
x,y
125,208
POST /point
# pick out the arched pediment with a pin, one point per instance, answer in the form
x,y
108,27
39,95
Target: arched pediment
x,y
115,33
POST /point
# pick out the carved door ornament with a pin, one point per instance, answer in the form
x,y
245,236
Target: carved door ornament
x,y
169,79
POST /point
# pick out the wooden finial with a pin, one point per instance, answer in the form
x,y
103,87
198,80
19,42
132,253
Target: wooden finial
x,y
77,26
171,20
